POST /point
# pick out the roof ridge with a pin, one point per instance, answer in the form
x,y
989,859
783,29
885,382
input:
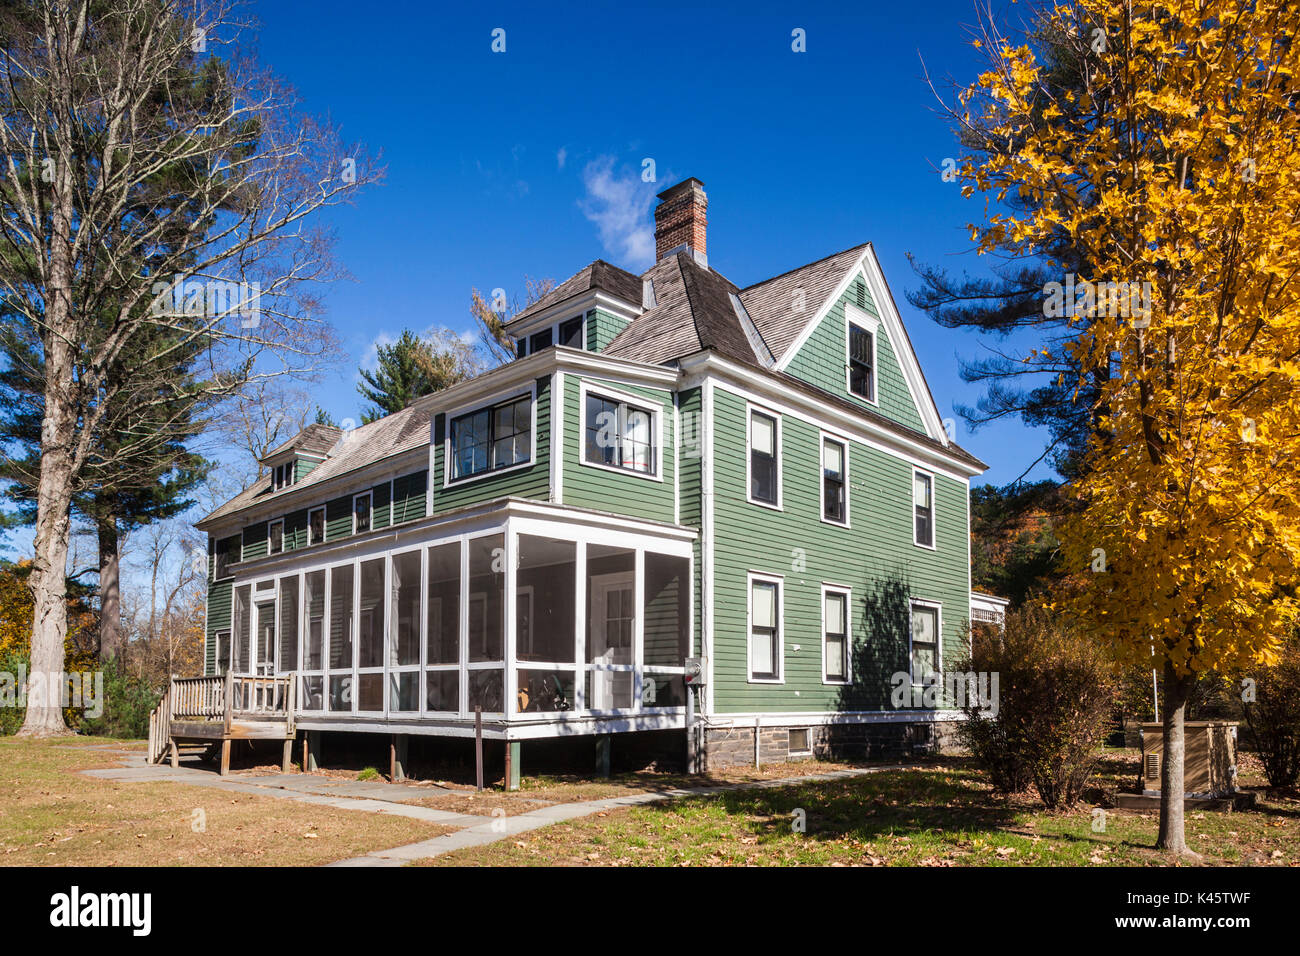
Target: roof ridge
x,y
861,245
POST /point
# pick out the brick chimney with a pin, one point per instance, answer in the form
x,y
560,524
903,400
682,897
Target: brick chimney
x,y
681,221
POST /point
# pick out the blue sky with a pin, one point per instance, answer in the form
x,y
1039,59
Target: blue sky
x,y
528,162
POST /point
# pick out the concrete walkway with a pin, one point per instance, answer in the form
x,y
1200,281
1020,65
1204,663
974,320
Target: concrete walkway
x,y
471,830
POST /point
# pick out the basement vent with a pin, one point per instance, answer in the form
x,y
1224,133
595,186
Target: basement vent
x,y
1153,766
798,743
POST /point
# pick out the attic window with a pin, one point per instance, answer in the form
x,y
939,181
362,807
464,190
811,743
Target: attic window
x,y
541,340
862,362
282,476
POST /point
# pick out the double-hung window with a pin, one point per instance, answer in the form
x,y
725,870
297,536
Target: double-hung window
x,y
764,629
361,513
620,435
316,526
925,641
923,507
492,438
540,340
862,362
835,635
282,476
764,464
835,506
275,537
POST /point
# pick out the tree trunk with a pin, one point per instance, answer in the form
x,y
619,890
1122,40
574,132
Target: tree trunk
x,y
49,578
110,594
1178,689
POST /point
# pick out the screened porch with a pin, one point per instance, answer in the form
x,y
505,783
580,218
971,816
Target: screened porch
x,y
530,620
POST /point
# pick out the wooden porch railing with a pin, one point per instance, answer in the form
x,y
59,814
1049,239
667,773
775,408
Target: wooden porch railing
x,y
221,699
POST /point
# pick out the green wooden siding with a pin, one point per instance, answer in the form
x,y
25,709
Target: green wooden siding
x,y
409,494
690,413
875,558
295,530
531,482
602,328
822,361
381,511
254,541
338,518
218,620
302,467
607,490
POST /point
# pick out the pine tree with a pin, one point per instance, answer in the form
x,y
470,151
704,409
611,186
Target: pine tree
x,y
414,366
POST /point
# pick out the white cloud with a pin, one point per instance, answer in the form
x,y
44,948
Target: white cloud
x,y
560,156
618,202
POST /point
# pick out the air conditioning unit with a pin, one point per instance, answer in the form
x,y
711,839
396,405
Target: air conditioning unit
x,y
1209,758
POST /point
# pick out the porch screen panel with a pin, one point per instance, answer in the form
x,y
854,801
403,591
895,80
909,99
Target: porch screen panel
x,y
444,606
611,618
667,629
406,609
487,586
240,640
544,590
340,639
313,652
289,623
370,615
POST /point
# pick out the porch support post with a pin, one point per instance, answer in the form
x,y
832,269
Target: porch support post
x,y
176,753
602,754
397,750
225,756
513,748
286,758
311,751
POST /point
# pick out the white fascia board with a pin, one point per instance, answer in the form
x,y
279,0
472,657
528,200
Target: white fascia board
x,y
902,344
751,384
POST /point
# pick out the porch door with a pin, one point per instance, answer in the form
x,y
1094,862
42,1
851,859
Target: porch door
x,y
612,616
264,640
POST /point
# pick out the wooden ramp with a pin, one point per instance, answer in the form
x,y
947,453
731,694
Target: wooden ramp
x,y
213,711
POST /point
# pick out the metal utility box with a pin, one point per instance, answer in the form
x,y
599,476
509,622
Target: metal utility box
x,y
1209,758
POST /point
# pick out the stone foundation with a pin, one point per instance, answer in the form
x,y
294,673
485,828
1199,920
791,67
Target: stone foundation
x,y
734,746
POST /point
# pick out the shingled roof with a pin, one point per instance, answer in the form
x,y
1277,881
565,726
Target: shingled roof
x,y
364,445
599,275
770,303
315,439
693,311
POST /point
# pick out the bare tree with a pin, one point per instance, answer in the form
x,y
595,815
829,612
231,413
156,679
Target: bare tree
x,y
490,317
148,183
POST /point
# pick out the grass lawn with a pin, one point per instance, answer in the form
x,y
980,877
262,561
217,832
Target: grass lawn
x,y
938,814
52,816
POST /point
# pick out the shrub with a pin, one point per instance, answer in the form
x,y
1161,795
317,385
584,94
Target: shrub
x,y
1055,692
126,704
1274,716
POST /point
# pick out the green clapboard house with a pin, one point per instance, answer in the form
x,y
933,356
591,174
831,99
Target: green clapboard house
x,y
724,522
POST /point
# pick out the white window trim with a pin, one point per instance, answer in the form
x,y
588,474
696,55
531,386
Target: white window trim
x,y
371,495
937,607
269,526
555,334
934,509
779,581
821,480
750,409
848,634
504,398
324,525
800,753
656,413
855,315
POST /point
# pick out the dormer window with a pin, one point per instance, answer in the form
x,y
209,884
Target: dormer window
x,y
521,347
540,340
571,333
282,476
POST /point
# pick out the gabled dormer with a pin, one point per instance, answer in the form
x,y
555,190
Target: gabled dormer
x,y
584,312
290,462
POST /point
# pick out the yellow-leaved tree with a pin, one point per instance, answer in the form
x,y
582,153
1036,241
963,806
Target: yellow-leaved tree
x,y
1175,170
